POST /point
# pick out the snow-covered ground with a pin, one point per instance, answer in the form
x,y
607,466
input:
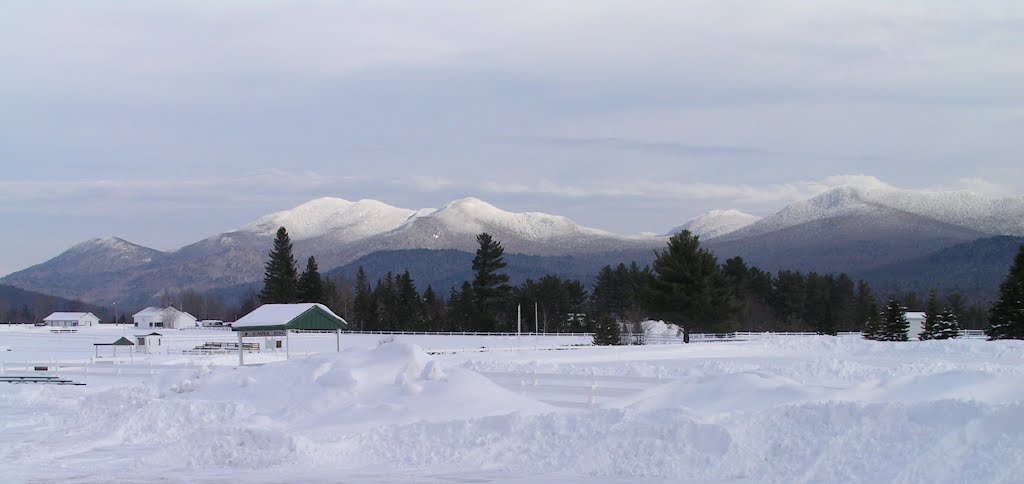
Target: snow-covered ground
x,y
771,409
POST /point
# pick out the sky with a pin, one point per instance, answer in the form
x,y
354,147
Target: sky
x,y
166,122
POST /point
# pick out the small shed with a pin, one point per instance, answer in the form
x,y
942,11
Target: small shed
x,y
120,343
916,325
272,320
150,343
71,320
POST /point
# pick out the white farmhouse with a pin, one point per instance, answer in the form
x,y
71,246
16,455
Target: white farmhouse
x,y
916,320
72,319
168,317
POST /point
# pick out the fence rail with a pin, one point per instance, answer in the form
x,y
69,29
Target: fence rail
x,y
463,333
86,368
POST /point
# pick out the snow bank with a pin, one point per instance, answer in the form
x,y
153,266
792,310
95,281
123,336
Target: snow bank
x,y
796,409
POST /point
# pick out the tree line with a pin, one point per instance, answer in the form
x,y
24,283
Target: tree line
x,y
685,285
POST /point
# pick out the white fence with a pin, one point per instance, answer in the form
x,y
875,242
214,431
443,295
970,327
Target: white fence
x,y
661,339
84,369
462,333
574,391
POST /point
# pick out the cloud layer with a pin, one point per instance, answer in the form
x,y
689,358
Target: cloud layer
x,y
120,118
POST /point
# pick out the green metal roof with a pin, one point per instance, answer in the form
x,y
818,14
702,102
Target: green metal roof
x,y
122,341
316,318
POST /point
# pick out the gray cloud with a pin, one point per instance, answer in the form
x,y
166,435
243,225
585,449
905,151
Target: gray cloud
x,y
628,116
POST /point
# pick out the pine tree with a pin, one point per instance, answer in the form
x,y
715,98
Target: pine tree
x,y
408,306
311,286
895,325
828,320
280,278
606,331
931,317
1006,316
873,324
362,304
946,325
433,316
489,286
689,287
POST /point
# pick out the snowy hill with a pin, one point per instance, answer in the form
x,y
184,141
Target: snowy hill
x,y
109,253
78,271
456,225
337,218
962,209
716,223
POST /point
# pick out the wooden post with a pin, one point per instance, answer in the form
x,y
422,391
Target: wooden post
x,y
339,340
241,359
287,344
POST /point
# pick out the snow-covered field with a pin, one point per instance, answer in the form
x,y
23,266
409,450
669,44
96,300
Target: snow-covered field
x,y
771,409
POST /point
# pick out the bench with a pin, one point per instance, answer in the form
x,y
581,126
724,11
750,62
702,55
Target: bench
x,y
48,380
63,331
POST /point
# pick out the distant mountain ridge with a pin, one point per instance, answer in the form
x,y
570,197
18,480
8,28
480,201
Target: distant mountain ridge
x,y
20,306
962,209
974,269
334,230
845,229
716,223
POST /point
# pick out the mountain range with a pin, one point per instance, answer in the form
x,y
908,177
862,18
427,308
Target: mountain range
x,y
846,229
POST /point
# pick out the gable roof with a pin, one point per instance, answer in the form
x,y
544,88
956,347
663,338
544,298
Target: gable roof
x,y
168,311
122,341
59,316
147,311
280,315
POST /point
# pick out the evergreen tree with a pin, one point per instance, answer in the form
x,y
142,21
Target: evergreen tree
x,y
873,324
433,306
577,297
931,317
408,306
489,286
946,325
866,305
606,331
828,320
895,325
280,278
362,309
462,308
689,287
386,301
1006,316
789,294
311,287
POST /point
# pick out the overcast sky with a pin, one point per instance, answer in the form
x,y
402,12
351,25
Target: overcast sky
x,y
166,122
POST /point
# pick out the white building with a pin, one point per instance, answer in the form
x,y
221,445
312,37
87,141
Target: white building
x,y
916,320
150,343
163,318
71,319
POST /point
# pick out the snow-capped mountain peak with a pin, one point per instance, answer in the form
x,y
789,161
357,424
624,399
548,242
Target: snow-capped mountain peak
x,y
959,208
472,215
324,216
715,223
